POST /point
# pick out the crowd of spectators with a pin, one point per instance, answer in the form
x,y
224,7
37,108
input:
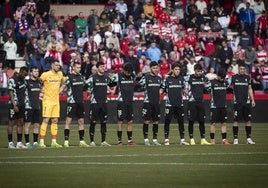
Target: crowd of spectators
x,y
188,32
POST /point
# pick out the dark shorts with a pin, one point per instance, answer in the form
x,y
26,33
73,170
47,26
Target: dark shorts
x,y
125,111
32,116
218,115
75,110
174,111
196,111
151,112
98,112
242,112
12,115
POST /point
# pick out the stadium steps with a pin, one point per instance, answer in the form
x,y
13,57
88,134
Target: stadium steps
x,y
20,61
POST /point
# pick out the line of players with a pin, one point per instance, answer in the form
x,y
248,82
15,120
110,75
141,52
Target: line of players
x,y
25,108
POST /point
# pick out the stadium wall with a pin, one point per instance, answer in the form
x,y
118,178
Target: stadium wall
x,y
259,112
64,10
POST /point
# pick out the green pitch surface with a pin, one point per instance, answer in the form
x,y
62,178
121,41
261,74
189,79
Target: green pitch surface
x,y
140,166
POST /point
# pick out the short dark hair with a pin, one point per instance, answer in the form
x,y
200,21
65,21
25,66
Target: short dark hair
x,y
99,64
23,69
128,67
222,73
198,67
33,68
174,65
153,63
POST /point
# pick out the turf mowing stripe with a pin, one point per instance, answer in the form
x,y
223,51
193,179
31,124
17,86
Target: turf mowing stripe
x,y
154,164
135,155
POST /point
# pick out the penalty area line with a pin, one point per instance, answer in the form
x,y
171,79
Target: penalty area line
x,y
130,163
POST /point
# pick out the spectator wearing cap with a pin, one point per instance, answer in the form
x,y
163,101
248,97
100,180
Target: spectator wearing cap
x,y
135,10
153,52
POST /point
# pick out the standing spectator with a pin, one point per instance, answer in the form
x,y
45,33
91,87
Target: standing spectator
x,y
11,50
226,55
113,38
250,57
174,86
223,19
256,76
245,40
164,67
122,6
92,21
3,80
247,16
51,81
151,106
218,106
125,85
8,32
80,24
81,42
264,73
243,101
68,27
90,46
154,52
43,8
32,108
196,107
166,44
118,63
7,14
201,5
262,26
42,45
135,10
148,9
134,61
97,84
74,83
52,20
17,88
21,34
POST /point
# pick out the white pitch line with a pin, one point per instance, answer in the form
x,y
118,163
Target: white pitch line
x,y
129,163
133,155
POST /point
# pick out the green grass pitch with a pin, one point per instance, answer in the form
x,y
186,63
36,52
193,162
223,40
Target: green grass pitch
x,y
154,166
